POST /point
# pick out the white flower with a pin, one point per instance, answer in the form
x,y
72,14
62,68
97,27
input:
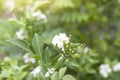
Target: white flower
x,y
36,71
32,60
116,67
19,34
105,70
86,49
49,72
59,40
39,16
27,59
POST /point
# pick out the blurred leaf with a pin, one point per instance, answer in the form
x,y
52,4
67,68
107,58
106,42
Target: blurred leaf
x,y
45,56
22,75
68,77
20,43
89,69
4,25
117,41
37,44
14,64
62,72
22,67
47,39
37,57
40,4
5,73
64,3
10,49
6,28
55,76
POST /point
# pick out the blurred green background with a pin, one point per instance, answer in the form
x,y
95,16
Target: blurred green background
x,y
94,23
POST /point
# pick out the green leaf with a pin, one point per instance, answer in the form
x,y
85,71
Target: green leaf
x,y
20,43
89,69
5,26
45,55
14,64
22,68
62,72
36,57
68,77
55,76
37,44
40,4
22,75
47,39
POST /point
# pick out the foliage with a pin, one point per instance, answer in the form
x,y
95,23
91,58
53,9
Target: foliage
x,y
28,26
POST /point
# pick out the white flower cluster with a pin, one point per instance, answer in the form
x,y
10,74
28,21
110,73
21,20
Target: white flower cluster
x,y
49,72
105,70
36,71
39,16
59,40
116,67
19,34
27,59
